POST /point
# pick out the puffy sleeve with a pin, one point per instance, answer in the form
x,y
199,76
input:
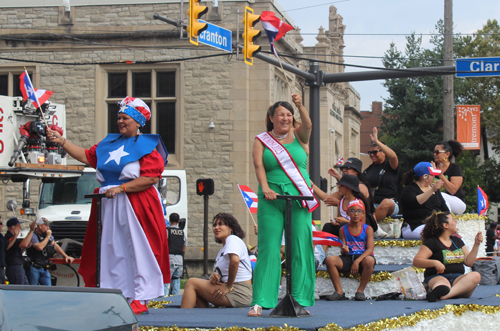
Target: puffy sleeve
x,y
92,156
151,165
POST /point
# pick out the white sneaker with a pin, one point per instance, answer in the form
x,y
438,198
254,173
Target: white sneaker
x,y
316,296
379,234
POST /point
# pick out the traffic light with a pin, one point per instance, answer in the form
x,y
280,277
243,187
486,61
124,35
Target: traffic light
x,y
250,35
205,186
194,12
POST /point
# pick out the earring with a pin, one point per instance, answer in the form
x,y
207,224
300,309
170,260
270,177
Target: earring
x,y
445,159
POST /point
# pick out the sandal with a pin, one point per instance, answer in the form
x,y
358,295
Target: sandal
x,y
255,311
437,293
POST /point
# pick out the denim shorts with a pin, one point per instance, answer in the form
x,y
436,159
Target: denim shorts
x,y
396,208
451,277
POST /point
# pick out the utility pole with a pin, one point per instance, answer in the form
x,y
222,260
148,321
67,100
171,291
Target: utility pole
x,y
448,102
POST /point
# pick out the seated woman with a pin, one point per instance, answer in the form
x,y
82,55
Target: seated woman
x,y
349,190
357,253
451,174
443,256
230,284
419,198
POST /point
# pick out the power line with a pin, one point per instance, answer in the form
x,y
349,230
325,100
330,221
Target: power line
x,y
323,4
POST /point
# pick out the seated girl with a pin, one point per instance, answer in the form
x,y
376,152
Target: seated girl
x,y
443,256
230,284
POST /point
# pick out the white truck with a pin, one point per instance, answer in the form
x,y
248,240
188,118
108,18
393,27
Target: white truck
x,y
26,154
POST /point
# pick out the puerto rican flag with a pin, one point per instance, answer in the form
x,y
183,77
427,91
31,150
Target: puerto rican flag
x,y
250,198
37,97
482,202
340,161
325,238
274,27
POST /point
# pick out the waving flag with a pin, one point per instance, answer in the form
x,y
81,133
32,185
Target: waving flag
x,y
249,197
340,161
38,97
325,238
482,202
274,27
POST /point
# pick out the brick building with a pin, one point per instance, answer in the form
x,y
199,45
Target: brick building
x,y
82,54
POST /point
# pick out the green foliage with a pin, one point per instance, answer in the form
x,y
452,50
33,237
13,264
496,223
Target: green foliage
x,y
413,113
482,91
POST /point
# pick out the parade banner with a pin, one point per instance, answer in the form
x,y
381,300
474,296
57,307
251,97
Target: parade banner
x,y
469,126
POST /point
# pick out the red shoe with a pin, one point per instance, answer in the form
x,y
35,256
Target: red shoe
x,y
138,308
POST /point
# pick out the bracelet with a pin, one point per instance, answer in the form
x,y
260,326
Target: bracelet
x,y
63,142
124,187
229,288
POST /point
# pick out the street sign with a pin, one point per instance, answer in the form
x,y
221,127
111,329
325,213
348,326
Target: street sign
x,y
478,67
217,37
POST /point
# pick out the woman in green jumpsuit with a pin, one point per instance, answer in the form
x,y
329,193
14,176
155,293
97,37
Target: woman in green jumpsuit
x,y
271,213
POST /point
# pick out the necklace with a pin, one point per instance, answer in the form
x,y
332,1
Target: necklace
x,y
279,137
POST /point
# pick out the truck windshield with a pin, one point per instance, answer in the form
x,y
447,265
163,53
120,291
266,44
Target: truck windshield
x,y
68,191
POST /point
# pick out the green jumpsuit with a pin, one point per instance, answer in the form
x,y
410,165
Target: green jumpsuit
x,y
271,217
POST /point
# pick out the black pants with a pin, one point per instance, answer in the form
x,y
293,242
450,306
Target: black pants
x,y
2,275
16,274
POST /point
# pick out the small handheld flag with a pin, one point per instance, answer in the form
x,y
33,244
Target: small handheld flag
x,y
274,27
482,202
325,238
249,197
340,161
38,97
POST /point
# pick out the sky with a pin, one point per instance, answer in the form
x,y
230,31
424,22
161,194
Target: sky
x,y
383,17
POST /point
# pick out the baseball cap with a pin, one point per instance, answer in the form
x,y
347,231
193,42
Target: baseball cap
x,y
425,168
350,181
354,163
42,220
12,221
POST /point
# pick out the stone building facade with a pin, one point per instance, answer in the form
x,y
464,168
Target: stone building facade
x,y
94,55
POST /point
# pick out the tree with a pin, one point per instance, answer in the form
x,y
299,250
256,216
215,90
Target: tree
x,y
413,113
483,91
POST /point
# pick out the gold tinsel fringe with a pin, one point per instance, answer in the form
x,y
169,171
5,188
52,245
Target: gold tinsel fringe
x,y
385,323
376,277
158,304
463,217
400,243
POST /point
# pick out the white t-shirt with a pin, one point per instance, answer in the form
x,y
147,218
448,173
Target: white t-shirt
x,y
234,245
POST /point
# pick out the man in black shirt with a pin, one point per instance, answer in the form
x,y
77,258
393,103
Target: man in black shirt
x,y
491,236
177,243
14,259
382,175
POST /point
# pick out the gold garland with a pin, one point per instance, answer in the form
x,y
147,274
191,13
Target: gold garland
x,y
400,243
468,217
158,304
414,319
376,277
389,219
385,323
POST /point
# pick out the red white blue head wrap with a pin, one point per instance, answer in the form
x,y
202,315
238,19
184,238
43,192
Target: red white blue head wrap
x,y
356,202
135,108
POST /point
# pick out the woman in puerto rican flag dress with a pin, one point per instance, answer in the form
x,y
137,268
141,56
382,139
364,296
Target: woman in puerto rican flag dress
x,y
134,247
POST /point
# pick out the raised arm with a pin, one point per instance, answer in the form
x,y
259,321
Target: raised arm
x,y
389,153
75,151
305,127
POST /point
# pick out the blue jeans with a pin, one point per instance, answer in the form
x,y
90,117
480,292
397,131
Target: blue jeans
x,y
39,275
175,275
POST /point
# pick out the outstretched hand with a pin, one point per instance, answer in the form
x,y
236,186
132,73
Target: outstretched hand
x,y
374,135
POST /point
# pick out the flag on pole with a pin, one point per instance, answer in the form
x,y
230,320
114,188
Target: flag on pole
x,y
340,161
325,238
38,97
482,202
274,27
249,197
